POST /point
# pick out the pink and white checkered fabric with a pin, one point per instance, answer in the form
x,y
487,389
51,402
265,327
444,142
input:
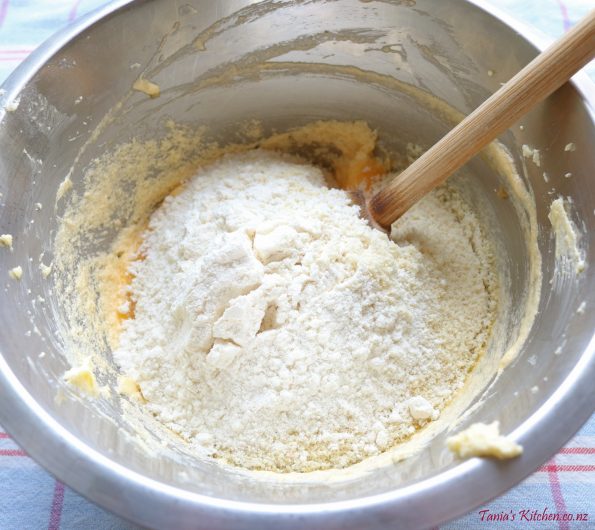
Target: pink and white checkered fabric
x,y
560,495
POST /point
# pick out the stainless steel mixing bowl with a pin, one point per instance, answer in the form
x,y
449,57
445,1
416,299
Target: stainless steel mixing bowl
x,y
341,59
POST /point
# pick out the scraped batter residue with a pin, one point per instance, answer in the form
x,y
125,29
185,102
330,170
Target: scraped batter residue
x,y
482,439
566,237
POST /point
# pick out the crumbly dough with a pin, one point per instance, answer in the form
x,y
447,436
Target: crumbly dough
x,y
6,241
16,273
83,379
12,105
147,87
45,269
481,439
283,341
129,387
531,153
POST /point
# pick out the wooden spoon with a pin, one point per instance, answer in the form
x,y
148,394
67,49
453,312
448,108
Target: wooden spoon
x,y
542,76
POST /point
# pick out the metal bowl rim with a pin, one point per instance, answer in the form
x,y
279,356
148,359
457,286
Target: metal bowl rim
x,y
27,421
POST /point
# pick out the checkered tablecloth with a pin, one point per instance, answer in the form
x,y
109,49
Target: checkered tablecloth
x,y
31,499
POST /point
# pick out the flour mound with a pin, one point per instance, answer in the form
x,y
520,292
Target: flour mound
x,y
275,330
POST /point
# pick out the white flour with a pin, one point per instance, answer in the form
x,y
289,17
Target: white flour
x,y
275,330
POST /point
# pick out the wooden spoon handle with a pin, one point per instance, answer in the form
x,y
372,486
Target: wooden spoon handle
x,y
542,76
